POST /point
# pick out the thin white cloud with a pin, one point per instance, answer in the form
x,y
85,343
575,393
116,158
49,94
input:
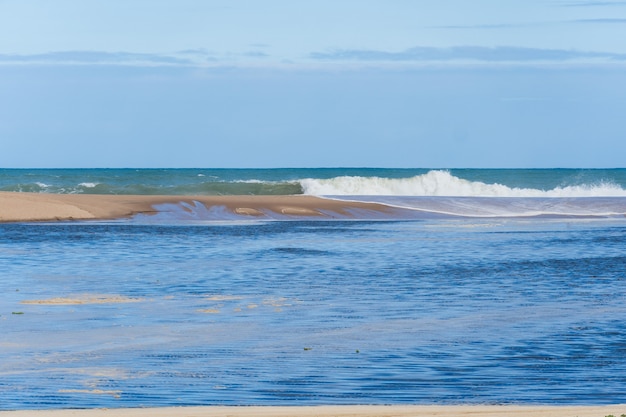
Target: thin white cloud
x,y
256,54
95,58
468,53
338,58
501,26
184,58
602,21
492,26
591,3
196,51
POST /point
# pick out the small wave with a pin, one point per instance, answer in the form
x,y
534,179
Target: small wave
x,y
505,207
442,183
35,187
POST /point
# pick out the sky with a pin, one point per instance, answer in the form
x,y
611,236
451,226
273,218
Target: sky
x,y
325,83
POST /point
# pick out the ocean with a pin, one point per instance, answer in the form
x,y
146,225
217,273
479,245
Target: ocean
x,y
503,286
322,181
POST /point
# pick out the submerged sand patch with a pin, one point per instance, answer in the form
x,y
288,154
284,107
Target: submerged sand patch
x,y
248,211
239,303
114,394
85,299
299,211
209,310
218,297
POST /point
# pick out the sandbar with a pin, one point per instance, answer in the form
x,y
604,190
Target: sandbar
x,y
338,411
85,299
32,207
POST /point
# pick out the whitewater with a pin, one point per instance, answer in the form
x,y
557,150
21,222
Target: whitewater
x,y
439,192
424,192
443,183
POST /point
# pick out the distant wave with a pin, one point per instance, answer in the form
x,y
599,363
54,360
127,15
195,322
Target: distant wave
x,y
501,207
442,183
236,187
321,182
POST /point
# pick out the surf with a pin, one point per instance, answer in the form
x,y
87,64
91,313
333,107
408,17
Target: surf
x,y
440,183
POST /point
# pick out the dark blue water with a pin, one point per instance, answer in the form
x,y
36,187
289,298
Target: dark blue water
x,y
450,311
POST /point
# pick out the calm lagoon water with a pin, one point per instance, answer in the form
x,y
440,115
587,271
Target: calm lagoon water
x,y
454,310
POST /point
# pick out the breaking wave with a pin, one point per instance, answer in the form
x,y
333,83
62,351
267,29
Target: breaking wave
x,y
442,183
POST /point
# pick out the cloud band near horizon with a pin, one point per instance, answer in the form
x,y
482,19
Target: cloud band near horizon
x,y
418,54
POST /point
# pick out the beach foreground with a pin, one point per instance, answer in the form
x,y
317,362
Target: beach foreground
x,y
337,411
102,330
18,207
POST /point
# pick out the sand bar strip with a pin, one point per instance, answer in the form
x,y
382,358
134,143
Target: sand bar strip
x,y
337,411
25,207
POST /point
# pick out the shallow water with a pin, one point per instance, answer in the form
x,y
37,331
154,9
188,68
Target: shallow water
x,y
435,311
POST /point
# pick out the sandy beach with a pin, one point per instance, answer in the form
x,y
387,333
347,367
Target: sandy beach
x,y
337,411
19,207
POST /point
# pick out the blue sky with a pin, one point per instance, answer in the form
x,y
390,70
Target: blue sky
x,y
248,83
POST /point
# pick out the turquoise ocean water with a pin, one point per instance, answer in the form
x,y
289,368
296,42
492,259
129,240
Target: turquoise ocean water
x,y
322,181
506,286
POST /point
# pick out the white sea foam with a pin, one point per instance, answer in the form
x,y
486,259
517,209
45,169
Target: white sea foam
x,y
88,184
442,183
503,207
251,182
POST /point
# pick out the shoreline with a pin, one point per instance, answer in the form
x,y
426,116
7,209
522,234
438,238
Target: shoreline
x,y
33,207
337,411
40,207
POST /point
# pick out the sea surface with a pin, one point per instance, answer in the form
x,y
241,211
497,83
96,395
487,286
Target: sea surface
x,y
506,286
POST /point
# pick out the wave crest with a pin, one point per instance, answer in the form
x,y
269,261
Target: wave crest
x,y
442,183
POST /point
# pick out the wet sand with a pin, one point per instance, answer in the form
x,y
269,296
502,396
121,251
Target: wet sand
x,y
337,411
26,207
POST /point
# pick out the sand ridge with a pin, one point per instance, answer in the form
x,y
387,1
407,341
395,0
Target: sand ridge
x,y
25,207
